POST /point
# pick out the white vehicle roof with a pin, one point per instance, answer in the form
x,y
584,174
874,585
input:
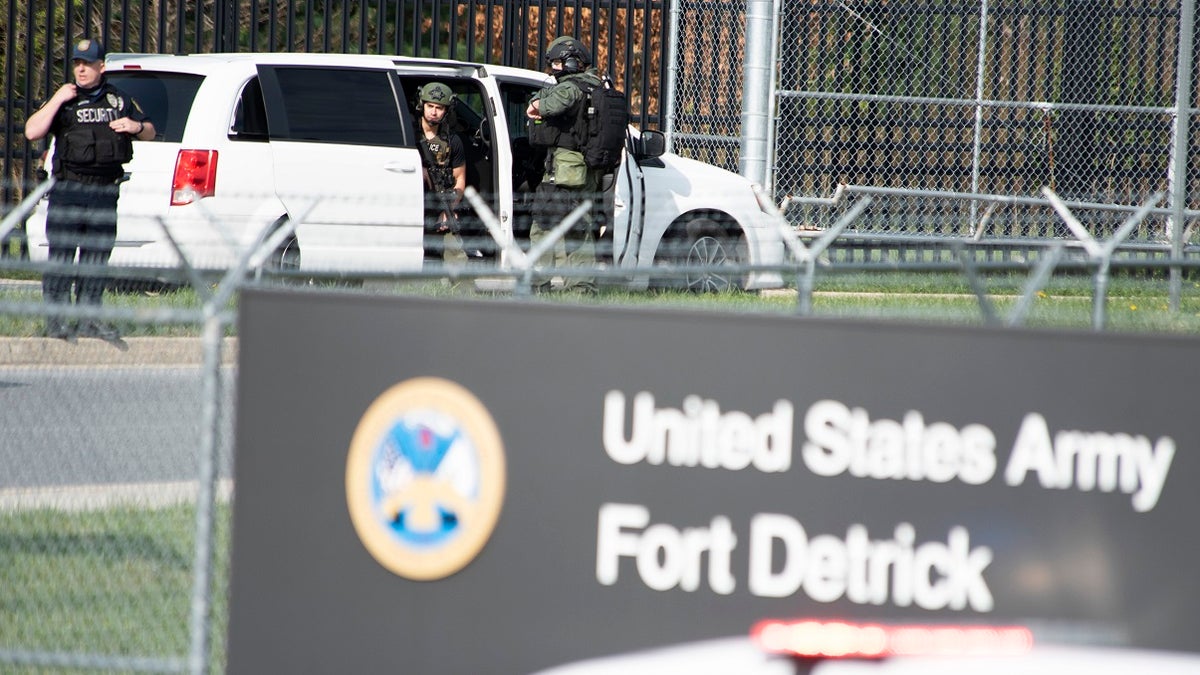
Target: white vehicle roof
x,y
205,63
513,72
740,655
201,62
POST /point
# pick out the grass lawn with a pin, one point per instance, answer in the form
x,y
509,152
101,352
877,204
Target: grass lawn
x,y
111,583
1134,304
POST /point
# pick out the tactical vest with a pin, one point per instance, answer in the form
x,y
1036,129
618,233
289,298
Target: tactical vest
x,y
435,155
554,132
562,131
85,144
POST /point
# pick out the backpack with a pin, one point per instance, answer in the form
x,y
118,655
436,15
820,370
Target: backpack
x,y
603,125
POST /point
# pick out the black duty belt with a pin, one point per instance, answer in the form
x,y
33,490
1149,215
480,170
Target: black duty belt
x,y
88,179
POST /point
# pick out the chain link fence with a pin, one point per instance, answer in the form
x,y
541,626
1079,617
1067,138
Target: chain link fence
x,y
115,506
706,54
970,100
115,509
115,501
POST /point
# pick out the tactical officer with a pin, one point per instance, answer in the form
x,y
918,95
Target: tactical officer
x,y
94,125
555,113
445,166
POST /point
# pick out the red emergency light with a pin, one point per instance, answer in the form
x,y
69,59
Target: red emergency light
x,y
843,640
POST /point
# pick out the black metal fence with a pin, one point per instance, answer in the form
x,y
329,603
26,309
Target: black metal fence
x,y
626,37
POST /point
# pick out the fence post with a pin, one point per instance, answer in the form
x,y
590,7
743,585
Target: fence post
x,y
773,97
977,149
1177,176
756,91
206,501
672,37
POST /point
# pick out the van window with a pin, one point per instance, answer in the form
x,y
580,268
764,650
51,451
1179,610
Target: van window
x,y
250,114
515,100
166,98
337,105
469,108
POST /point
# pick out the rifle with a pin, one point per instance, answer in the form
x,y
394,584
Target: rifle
x,y
443,197
445,200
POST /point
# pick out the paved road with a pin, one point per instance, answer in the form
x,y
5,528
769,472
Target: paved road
x,y
104,425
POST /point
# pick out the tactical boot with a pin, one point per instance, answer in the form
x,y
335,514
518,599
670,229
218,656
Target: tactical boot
x,y
56,297
59,329
99,329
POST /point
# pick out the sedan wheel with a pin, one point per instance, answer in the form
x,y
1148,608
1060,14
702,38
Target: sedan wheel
x,y
711,252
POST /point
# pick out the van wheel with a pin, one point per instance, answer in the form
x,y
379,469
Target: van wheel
x,y
283,263
286,258
709,245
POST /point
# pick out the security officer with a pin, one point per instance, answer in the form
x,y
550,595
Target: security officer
x,y
554,113
445,166
93,124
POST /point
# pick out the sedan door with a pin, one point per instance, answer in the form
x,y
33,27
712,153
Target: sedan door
x,y
346,166
628,186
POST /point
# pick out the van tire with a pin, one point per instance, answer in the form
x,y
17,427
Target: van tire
x,y
281,265
286,258
708,243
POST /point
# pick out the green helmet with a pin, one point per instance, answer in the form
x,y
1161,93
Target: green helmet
x,y
574,55
435,92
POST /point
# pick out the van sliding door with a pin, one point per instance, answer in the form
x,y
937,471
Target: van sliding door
x,y
346,166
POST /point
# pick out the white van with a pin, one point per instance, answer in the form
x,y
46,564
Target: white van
x,y
246,141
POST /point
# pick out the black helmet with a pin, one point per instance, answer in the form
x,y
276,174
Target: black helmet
x,y
571,52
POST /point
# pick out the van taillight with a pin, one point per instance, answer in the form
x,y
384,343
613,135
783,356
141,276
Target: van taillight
x,y
195,176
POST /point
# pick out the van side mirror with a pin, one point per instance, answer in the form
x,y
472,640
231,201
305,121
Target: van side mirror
x,y
651,144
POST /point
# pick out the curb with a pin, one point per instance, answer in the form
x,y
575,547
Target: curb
x,y
136,351
95,497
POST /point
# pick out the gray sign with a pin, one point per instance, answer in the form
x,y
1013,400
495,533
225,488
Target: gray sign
x,y
449,487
